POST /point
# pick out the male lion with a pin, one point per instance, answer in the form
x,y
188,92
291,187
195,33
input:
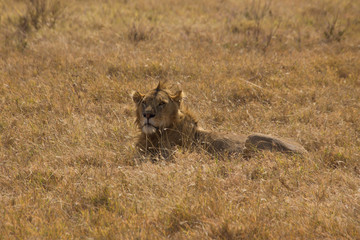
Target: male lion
x,y
164,125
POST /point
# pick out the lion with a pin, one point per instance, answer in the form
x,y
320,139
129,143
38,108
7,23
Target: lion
x,y
165,125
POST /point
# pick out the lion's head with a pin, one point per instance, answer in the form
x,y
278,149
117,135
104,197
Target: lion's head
x,y
157,109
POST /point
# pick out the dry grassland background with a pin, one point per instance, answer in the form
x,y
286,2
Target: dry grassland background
x,y
287,68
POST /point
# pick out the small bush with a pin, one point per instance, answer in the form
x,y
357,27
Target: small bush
x,y
333,31
138,33
258,28
40,13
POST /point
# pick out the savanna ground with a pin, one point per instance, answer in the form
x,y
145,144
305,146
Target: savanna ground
x,y
287,68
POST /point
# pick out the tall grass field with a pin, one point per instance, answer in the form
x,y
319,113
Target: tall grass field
x,y
67,132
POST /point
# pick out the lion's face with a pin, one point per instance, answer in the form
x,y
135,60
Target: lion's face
x,y
156,110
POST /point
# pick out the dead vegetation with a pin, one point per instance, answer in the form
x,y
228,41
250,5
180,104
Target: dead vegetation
x,y
67,129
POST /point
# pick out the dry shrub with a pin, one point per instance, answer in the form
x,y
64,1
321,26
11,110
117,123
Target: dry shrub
x,y
333,30
40,13
139,32
329,19
258,10
258,28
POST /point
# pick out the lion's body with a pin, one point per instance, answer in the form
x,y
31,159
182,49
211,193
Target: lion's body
x,y
164,126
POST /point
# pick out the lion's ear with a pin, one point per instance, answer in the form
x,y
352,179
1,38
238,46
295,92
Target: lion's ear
x,y
137,97
159,86
177,96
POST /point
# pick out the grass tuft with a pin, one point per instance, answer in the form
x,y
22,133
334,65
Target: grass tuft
x,y
181,218
139,32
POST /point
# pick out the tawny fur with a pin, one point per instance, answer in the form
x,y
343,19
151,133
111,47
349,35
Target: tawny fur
x,y
164,125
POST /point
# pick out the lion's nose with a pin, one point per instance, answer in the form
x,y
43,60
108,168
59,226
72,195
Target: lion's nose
x,y
149,115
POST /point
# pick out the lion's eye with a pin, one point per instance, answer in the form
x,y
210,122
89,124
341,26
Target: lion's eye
x,y
161,104
143,104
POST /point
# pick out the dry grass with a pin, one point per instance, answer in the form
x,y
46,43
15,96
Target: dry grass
x,y
67,128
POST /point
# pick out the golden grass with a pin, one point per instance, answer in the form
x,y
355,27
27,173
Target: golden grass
x,y
67,126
